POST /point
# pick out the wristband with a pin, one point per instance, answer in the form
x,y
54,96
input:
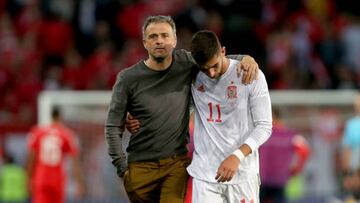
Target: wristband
x,y
239,155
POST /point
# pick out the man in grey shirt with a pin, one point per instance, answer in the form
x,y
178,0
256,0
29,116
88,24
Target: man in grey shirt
x,y
155,91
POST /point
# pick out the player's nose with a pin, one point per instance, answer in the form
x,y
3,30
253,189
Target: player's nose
x,y
211,73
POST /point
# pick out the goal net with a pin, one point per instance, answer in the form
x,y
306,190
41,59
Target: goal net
x,y
318,115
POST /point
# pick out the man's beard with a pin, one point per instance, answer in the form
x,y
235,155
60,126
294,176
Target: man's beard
x,y
159,59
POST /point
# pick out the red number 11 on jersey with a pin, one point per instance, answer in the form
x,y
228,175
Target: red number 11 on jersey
x,y
210,119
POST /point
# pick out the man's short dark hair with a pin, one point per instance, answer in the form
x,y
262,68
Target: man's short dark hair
x,y
204,45
159,19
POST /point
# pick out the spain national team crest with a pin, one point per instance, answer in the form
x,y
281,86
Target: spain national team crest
x,y
232,92
201,88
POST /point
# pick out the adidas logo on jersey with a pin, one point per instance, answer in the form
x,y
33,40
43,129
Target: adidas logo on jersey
x,y
201,88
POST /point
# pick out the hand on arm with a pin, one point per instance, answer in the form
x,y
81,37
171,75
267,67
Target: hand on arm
x,y
250,68
230,165
132,124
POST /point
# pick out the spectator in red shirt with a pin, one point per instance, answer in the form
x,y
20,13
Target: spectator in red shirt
x,y
55,36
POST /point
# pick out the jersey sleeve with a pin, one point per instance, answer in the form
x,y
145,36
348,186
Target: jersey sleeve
x,y
260,109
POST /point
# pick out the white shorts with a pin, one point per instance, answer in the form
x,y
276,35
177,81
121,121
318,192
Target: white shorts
x,y
206,192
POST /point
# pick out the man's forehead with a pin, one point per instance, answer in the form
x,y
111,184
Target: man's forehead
x,y
162,27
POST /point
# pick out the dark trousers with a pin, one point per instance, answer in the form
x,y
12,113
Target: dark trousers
x,y
161,181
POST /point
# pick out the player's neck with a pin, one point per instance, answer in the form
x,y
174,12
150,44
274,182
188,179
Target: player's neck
x,y
225,65
158,65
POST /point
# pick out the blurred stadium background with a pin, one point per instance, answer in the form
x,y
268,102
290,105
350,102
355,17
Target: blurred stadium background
x,y
308,49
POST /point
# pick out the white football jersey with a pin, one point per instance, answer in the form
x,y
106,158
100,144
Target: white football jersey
x,y
227,115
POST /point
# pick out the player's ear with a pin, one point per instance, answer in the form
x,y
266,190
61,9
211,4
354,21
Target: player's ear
x,y
144,44
223,51
175,42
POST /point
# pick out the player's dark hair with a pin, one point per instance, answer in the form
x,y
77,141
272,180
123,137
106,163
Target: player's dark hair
x,y
158,19
55,113
204,45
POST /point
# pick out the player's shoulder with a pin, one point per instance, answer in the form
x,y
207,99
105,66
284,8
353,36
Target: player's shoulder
x,y
65,130
38,129
260,79
35,131
35,128
261,74
64,133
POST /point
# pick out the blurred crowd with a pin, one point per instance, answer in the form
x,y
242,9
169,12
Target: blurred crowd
x,y
83,44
